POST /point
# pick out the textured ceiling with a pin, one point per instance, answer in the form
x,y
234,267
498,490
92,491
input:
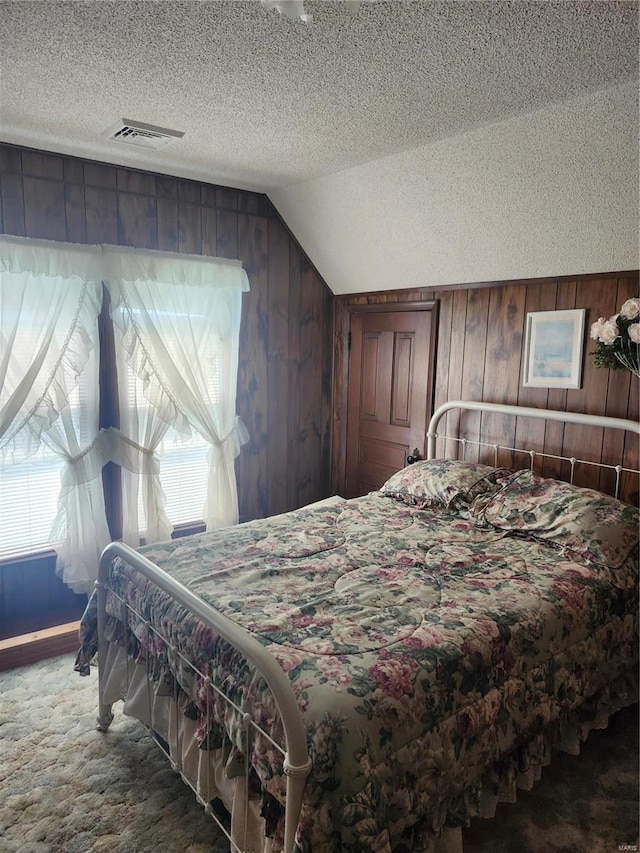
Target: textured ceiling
x,y
266,102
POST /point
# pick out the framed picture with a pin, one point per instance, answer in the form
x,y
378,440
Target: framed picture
x,y
553,349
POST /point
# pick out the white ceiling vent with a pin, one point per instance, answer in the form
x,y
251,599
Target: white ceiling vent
x,y
141,134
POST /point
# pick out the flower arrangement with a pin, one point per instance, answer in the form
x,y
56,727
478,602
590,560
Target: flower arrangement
x,y
619,338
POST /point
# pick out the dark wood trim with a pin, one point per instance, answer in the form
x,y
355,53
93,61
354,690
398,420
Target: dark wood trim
x,y
30,648
428,290
391,306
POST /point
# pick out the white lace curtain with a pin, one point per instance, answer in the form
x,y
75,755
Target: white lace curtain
x,y
177,321
50,297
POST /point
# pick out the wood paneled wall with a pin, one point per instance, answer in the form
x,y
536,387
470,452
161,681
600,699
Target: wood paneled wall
x,y
481,334
286,345
288,396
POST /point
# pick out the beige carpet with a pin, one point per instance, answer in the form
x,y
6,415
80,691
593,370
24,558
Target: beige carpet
x,y
66,788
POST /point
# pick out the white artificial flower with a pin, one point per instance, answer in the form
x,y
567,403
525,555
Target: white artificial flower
x,y
609,332
631,308
634,332
596,327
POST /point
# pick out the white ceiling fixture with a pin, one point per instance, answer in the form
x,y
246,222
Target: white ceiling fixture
x,y
294,9
143,135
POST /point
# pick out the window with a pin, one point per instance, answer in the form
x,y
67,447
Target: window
x,y
50,297
30,486
183,475
29,502
176,326
183,463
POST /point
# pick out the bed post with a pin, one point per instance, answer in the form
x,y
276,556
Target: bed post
x,y
105,715
296,781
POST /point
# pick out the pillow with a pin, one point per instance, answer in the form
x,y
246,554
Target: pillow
x,y
447,482
596,526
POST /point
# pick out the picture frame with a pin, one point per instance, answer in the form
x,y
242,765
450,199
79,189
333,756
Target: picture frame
x,y
553,350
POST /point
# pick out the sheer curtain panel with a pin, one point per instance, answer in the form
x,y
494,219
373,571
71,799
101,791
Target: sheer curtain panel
x,y
177,323
50,298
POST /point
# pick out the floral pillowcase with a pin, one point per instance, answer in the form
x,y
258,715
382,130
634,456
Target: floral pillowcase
x,y
598,527
451,483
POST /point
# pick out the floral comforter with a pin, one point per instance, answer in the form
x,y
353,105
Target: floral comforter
x,y
432,651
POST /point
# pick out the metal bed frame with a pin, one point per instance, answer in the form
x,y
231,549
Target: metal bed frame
x,y
297,763
544,414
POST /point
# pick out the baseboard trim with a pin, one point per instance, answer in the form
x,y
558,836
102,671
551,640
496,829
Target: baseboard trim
x,y
30,648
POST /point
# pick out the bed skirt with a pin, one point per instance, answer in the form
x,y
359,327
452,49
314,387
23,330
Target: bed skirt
x,y
213,776
208,772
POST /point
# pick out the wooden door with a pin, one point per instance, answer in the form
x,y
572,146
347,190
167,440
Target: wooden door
x,y
391,370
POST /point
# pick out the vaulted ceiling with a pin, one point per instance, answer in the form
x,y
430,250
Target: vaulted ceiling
x,y
267,103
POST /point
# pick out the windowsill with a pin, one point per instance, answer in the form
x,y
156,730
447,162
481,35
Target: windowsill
x,y
27,556
16,557
188,528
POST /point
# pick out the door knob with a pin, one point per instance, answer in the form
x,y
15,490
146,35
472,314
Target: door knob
x,y
415,456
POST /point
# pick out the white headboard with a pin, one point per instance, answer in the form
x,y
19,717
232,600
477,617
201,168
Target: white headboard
x,y
600,421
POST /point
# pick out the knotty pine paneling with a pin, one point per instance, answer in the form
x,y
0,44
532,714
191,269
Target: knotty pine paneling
x,y
481,334
102,215
278,364
252,368
44,208
293,364
32,595
310,425
286,341
473,369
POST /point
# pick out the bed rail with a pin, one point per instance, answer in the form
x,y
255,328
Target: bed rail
x,y
524,411
297,762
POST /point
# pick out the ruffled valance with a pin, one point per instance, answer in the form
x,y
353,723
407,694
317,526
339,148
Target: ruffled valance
x,y
131,265
73,261
96,263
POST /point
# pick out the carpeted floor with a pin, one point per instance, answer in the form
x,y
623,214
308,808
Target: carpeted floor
x,y
66,788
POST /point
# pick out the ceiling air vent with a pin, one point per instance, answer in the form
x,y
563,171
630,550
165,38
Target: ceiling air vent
x,y
141,134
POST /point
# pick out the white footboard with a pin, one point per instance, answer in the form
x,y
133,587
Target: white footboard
x,y
297,763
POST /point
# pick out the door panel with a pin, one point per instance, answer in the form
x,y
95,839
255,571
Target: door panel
x,y
401,388
389,398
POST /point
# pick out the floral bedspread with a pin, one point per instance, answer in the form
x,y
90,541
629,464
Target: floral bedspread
x,y
428,652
